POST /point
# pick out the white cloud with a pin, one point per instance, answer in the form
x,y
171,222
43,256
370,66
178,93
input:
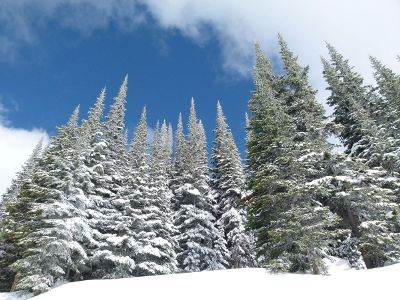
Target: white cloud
x,y
16,145
357,28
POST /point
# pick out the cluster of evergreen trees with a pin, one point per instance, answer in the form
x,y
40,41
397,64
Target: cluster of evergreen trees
x,y
307,201
89,205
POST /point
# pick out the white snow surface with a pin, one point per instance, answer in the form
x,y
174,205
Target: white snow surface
x,y
252,283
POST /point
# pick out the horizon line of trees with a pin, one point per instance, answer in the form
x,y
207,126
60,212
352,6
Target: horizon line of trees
x,y
91,205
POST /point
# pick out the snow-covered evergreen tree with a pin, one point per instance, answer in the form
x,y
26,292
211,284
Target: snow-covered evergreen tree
x,y
228,182
366,190
8,254
45,221
374,197
113,257
292,227
22,176
138,150
356,193
346,86
180,144
157,235
299,98
386,106
201,245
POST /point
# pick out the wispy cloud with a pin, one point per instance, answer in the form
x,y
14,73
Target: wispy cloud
x,y
3,111
2,108
22,20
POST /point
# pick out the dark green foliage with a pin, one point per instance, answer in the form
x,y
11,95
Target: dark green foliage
x,y
286,151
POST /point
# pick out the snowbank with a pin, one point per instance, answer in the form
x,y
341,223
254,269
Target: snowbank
x,y
237,284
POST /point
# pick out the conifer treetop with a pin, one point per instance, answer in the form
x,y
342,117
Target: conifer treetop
x,y
116,114
137,153
263,68
180,142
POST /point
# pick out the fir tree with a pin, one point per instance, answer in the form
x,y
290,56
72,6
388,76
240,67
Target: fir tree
x,y
367,184
113,258
228,182
180,143
138,151
11,194
157,234
92,126
293,228
201,245
346,86
356,193
386,106
45,222
8,253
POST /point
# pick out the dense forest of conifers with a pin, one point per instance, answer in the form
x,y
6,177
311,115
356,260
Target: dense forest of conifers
x,y
91,205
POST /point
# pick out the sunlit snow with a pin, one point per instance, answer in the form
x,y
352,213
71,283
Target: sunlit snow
x,y
252,283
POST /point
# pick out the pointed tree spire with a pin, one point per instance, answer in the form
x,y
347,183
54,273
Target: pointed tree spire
x,y
196,145
170,142
137,153
96,112
92,125
180,144
301,103
74,118
225,148
11,193
201,167
386,106
192,123
115,124
69,135
262,69
91,129
345,85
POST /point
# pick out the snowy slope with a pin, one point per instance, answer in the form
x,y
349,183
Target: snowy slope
x,y
254,283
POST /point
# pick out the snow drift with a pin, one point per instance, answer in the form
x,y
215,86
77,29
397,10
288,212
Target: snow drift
x,y
252,283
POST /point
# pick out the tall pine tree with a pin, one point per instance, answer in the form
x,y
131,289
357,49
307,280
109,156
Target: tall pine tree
x,y
8,254
201,245
292,227
113,257
228,182
46,219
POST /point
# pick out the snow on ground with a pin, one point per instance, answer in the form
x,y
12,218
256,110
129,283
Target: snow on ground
x,y
381,283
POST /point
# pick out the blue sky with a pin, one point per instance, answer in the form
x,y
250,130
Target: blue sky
x,y
56,54
165,70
